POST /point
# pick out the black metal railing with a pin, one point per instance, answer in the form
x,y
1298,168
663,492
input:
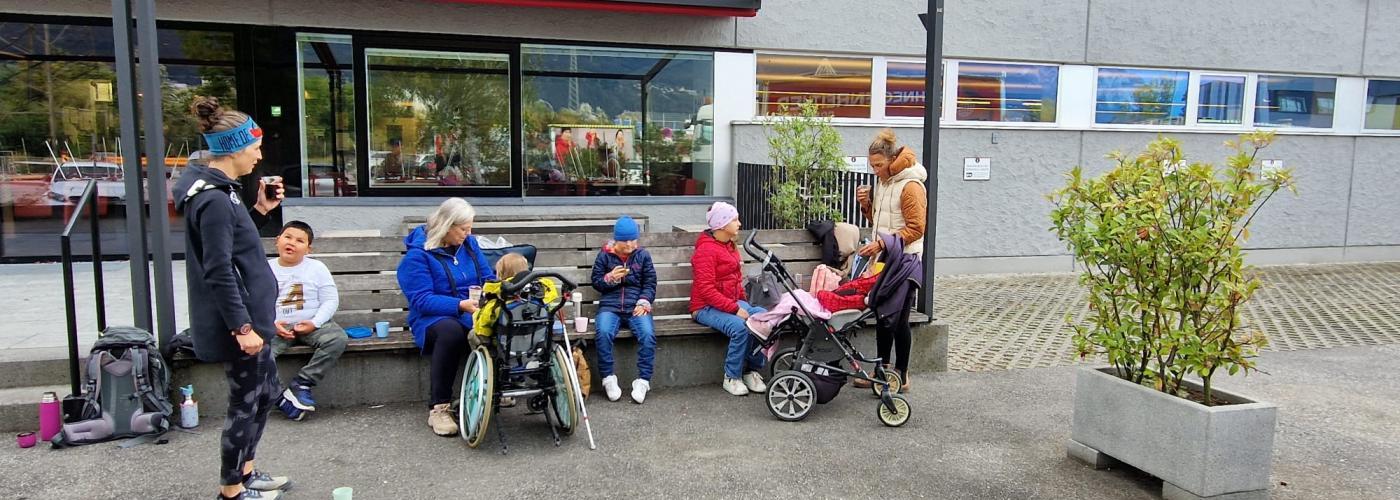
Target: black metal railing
x,y
85,202
754,191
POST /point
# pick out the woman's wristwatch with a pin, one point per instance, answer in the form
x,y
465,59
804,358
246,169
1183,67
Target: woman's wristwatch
x,y
246,329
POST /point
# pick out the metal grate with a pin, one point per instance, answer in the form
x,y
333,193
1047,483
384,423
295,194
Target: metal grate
x,y
1011,322
754,192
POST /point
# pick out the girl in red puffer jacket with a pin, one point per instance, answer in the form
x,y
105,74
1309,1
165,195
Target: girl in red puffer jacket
x,y
717,298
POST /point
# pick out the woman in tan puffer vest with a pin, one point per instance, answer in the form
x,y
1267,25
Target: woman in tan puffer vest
x,y
897,205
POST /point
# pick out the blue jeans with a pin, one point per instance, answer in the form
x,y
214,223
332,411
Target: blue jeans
x,y
642,330
742,355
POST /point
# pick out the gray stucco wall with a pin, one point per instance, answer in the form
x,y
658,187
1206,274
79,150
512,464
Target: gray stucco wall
x,y
1008,216
1383,39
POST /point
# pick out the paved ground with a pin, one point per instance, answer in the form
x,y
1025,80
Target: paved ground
x,y
1018,321
974,435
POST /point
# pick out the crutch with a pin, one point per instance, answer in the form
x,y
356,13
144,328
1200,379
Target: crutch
x,y
569,361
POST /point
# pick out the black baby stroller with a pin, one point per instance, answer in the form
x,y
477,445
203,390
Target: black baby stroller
x,y
520,359
813,371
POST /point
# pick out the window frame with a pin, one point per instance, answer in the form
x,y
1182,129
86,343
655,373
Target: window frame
x,y
874,103
1365,92
950,102
1193,100
1336,102
1094,102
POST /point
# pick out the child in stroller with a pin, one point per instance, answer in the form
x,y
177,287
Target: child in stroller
x,y
813,371
518,356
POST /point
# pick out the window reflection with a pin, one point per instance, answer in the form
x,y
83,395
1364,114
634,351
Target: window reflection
x,y
1383,105
1221,100
1007,92
606,121
328,115
1294,101
438,118
1141,97
839,86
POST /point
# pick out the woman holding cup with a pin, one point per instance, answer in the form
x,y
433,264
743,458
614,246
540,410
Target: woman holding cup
x,y
437,275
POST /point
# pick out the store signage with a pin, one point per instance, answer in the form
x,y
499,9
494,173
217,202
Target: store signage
x,y
718,8
977,169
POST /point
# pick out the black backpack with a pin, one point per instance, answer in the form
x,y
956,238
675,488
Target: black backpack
x,y
124,391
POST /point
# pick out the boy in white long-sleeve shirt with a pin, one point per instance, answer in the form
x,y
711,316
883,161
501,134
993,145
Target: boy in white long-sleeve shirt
x,y
306,300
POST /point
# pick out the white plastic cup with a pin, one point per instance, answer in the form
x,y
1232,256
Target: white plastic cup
x,y
343,493
581,324
474,293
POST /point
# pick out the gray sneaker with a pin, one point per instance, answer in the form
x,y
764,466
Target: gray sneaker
x,y
255,495
261,481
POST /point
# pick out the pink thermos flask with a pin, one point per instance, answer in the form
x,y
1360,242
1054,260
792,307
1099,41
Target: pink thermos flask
x,y
50,416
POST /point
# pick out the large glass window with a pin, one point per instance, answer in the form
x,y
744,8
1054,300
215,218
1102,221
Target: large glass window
x,y
1221,100
608,121
1295,101
1007,92
1383,105
904,89
840,86
438,118
59,123
1141,97
328,115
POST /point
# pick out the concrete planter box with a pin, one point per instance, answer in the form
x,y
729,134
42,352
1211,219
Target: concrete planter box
x,y
1198,451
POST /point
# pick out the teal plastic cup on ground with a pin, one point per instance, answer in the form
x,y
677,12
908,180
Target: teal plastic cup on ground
x,y
381,329
343,493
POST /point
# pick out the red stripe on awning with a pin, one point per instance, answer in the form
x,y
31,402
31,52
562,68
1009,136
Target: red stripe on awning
x,y
629,7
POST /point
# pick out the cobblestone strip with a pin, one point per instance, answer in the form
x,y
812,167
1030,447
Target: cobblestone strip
x,y
1018,321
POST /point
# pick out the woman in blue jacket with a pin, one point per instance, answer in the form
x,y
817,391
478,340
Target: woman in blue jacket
x,y
443,262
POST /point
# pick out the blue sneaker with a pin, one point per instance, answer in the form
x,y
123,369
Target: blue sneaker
x,y
300,396
290,410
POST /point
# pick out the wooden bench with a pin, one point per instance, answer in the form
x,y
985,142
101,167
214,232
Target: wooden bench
x,y
364,271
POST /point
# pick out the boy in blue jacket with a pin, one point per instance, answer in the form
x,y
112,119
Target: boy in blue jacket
x,y
626,283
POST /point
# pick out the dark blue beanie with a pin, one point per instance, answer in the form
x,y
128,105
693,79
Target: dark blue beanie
x,y
626,229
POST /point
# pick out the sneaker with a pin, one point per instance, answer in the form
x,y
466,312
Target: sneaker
x,y
300,396
440,419
754,382
735,386
254,495
262,481
639,390
290,410
610,386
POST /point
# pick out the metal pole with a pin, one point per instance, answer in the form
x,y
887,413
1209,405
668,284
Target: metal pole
x,y
97,265
933,109
151,118
66,246
131,165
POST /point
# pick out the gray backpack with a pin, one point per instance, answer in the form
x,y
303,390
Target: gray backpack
x,y
124,391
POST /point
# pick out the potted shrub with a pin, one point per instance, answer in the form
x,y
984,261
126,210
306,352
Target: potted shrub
x,y
1160,243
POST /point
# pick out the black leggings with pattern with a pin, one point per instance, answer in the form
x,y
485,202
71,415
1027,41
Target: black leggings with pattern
x,y
252,393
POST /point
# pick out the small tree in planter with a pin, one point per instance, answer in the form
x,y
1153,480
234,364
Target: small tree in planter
x,y
806,151
1160,241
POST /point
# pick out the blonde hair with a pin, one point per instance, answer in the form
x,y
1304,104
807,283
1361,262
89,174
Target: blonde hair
x,y
510,265
885,144
452,212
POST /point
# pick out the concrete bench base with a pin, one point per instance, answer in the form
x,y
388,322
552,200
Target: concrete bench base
x,y
374,373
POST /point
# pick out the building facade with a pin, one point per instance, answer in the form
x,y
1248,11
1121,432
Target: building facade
x,y
377,109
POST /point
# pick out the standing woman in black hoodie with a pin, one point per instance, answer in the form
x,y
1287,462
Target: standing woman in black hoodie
x,y
232,290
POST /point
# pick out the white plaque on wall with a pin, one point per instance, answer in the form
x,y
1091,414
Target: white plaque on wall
x,y
977,169
858,164
1273,164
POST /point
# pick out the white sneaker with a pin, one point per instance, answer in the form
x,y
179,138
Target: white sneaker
x,y
735,387
610,386
754,381
639,390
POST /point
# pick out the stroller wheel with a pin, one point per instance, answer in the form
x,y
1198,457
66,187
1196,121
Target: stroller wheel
x,y
892,378
782,361
564,402
791,396
478,390
895,418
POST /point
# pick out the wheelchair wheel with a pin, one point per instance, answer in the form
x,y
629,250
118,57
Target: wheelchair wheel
x,y
890,376
791,396
564,403
895,418
478,391
782,361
